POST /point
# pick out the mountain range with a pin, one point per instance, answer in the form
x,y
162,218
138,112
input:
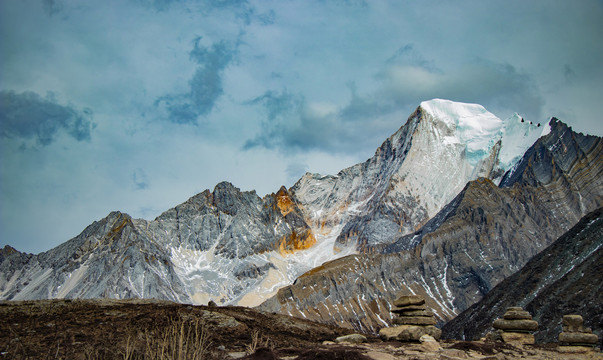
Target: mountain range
x,y
451,204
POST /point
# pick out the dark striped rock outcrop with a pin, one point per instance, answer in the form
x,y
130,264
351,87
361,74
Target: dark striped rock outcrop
x,y
565,278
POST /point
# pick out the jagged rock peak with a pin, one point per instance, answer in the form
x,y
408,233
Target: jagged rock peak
x,y
7,250
284,202
413,174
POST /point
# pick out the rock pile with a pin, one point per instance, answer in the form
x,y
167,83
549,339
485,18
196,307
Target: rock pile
x,y
516,326
574,334
413,320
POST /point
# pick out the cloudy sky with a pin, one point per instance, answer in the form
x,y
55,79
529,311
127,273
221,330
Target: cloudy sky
x,y
138,105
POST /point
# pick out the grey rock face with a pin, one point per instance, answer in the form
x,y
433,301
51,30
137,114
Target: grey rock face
x,y
110,258
412,175
237,224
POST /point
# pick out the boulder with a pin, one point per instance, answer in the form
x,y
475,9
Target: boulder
x,y
428,343
415,313
352,339
578,338
572,323
409,332
406,300
575,349
515,325
516,337
517,315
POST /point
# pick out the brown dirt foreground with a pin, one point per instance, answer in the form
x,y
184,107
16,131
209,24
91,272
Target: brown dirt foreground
x,y
147,329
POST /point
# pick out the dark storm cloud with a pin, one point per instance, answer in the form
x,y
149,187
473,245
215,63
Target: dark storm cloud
x,y
228,3
163,5
568,74
292,125
362,108
241,9
409,79
30,116
282,116
406,79
408,54
205,86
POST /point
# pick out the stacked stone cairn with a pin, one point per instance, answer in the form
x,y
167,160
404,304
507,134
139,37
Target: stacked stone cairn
x,y
574,334
413,320
516,326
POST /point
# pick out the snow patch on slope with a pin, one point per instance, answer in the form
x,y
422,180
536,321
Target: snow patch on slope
x,y
517,137
211,276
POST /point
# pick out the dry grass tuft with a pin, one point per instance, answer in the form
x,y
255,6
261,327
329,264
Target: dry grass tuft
x,y
181,340
258,340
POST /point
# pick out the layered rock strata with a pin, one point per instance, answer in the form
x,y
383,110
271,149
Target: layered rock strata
x,y
413,319
516,326
574,333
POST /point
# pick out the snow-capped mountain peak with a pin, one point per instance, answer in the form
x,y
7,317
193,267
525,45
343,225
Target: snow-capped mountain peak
x,y
472,125
414,173
479,130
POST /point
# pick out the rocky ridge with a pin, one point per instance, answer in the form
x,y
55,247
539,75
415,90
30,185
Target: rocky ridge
x,y
110,258
230,246
413,174
121,257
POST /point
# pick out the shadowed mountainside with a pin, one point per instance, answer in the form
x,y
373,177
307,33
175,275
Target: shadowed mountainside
x,y
565,278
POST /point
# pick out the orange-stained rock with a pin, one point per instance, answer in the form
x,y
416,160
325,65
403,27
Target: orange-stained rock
x,y
294,242
284,202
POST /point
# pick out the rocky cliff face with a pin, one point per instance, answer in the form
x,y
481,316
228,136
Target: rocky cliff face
x,y
110,258
484,235
565,278
226,242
